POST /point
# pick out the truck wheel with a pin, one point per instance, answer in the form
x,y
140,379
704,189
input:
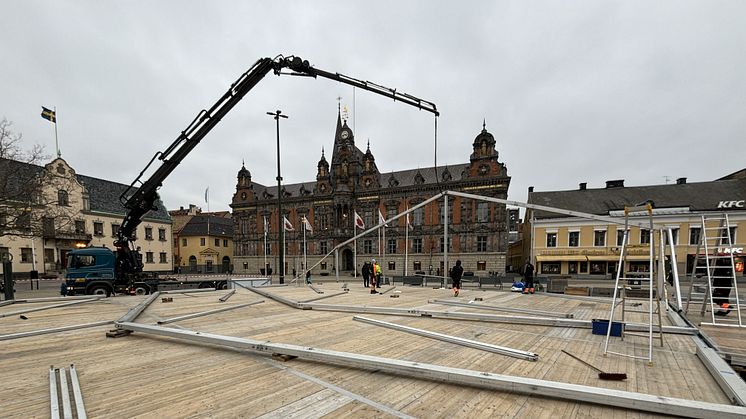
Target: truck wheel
x,y
100,290
222,286
141,290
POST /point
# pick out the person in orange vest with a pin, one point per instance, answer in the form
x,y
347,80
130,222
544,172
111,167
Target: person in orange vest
x,y
375,277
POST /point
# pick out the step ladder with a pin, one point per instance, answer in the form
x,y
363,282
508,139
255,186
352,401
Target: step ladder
x,y
713,277
631,299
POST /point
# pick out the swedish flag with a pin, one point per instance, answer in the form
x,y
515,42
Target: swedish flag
x,y
49,114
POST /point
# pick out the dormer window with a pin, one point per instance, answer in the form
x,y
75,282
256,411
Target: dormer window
x,y
62,198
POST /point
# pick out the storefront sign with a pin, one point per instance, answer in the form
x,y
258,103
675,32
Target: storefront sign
x,y
732,204
734,250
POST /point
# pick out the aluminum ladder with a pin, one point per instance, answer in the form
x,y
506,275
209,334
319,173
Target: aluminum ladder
x,y
713,278
631,300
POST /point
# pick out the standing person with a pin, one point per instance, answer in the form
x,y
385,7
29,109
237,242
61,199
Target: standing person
x,y
378,273
366,274
528,275
456,273
308,277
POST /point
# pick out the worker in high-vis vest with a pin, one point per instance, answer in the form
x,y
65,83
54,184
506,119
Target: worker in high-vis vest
x,y
376,277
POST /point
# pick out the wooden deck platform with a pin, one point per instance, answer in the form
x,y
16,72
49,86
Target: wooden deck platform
x,y
140,376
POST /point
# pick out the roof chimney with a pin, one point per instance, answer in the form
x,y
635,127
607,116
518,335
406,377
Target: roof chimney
x,y
530,189
619,183
583,186
681,181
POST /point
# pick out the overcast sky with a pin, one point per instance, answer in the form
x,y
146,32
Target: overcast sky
x,y
573,91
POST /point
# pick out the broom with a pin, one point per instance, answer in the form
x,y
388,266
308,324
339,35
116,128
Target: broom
x,y
614,376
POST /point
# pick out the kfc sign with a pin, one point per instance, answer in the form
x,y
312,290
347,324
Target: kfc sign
x,y
732,204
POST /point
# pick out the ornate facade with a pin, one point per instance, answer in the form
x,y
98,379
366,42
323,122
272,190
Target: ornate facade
x,y
352,182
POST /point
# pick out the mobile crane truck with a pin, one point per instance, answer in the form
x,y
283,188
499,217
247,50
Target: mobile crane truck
x,y
99,270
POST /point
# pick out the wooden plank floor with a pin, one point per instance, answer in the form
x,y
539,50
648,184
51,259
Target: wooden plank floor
x,y
144,376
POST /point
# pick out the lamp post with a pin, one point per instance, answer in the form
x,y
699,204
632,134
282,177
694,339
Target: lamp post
x,y
280,222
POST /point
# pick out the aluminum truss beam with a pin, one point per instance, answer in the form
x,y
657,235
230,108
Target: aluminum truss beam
x,y
523,385
502,350
54,330
227,296
322,297
7,302
78,396
54,403
206,313
29,310
52,299
505,309
497,318
188,291
134,312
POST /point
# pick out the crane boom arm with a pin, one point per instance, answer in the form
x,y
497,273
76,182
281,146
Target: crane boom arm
x,y
141,196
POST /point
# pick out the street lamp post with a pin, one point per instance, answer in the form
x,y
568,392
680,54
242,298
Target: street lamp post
x,y
280,222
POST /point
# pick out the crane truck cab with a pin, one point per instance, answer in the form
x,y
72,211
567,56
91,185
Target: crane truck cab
x,y
91,271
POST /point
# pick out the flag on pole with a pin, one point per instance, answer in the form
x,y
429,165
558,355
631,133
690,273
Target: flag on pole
x,y
266,226
409,225
381,220
307,224
288,225
49,115
207,195
359,223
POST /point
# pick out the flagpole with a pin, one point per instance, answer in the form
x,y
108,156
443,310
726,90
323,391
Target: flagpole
x,y
305,260
266,272
354,231
406,243
383,259
56,142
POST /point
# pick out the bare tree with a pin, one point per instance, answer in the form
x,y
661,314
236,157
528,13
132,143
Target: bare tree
x,y
26,204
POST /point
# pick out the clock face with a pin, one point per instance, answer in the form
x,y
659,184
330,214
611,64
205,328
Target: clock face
x,y
243,195
344,135
368,182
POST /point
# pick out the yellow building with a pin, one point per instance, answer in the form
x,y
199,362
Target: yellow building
x,y
562,245
205,244
70,211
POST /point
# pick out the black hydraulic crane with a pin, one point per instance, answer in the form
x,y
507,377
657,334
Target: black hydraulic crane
x,y
140,196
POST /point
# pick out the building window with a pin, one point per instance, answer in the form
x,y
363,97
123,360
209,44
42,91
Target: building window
x,y
483,212
391,212
201,241
98,229
644,236
450,244
450,213
225,242
217,242
417,245
620,237
392,265
163,257
148,233
324,221
584,267
418,216
550,267
694,233
732,235
482,265
417,266
551,239
323,248
47,226
162,234
26,255
48,255
268,248
368,246
368,218
572,267
573,239
184,242
599,238
80,226
481,243
392,246
675,234
323,266
114,230
149,257
598,268
63,199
